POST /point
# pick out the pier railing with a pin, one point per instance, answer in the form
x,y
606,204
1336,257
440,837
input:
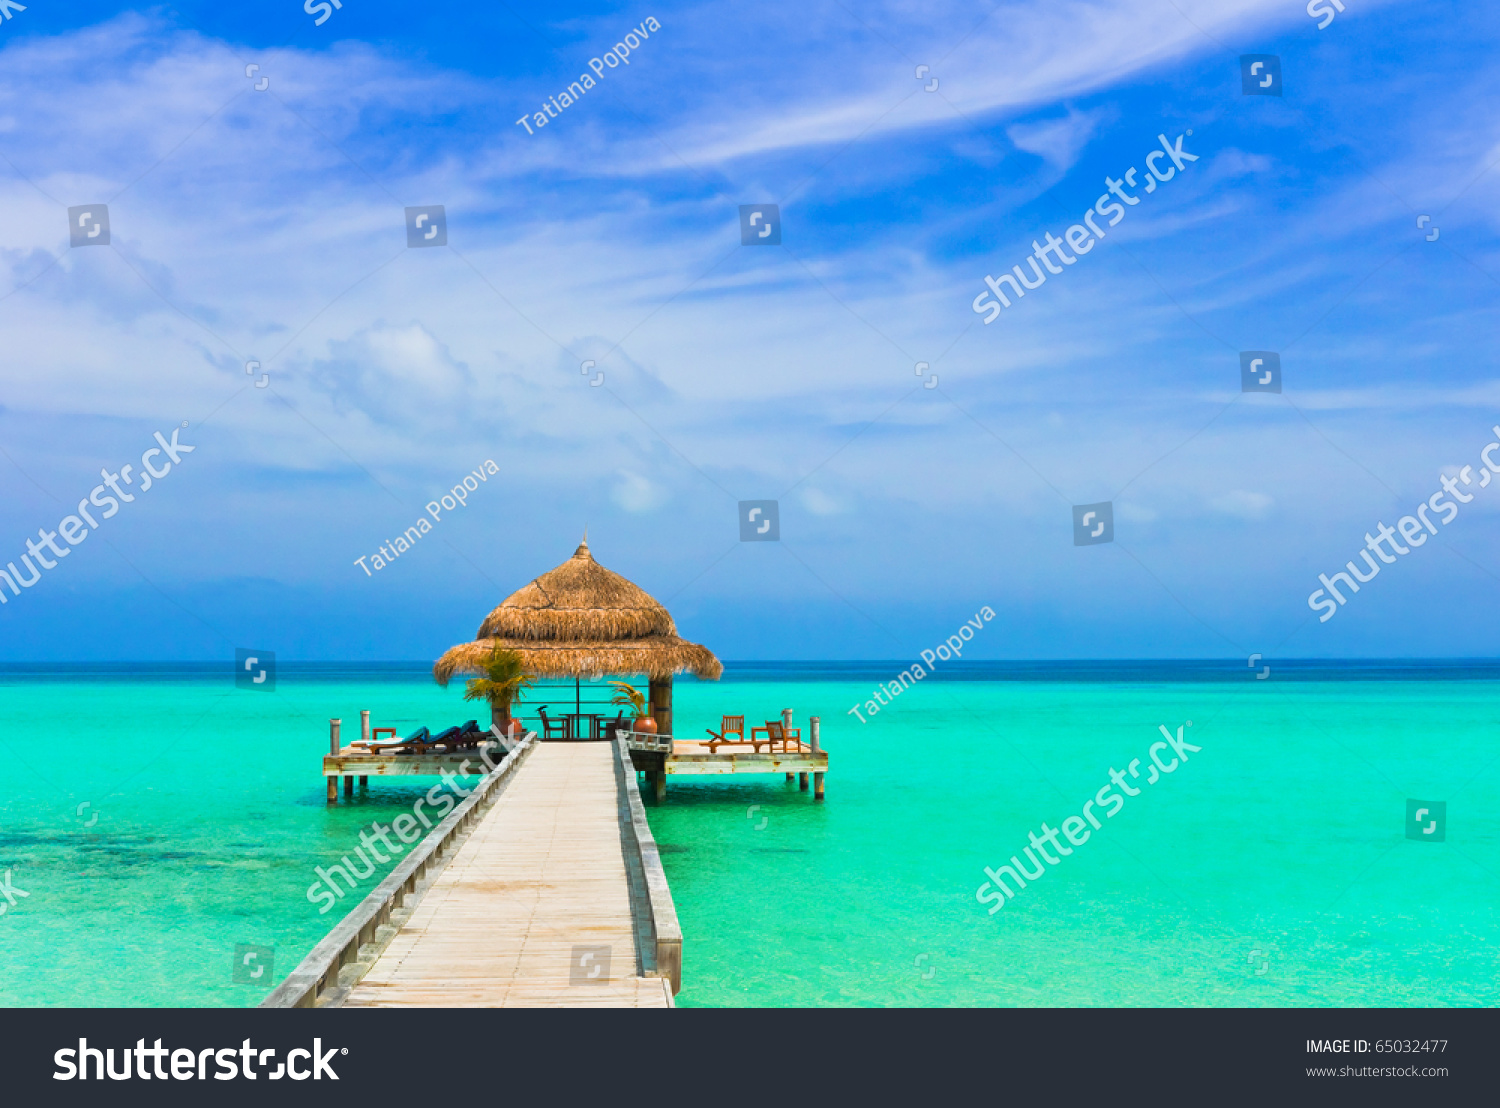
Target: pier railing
x,y
318,973
666,932
642,740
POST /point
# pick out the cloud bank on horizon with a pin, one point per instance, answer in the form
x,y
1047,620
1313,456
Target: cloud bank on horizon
x,y
595,326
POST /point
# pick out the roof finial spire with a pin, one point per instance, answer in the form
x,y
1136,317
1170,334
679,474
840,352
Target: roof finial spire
x,y
583,547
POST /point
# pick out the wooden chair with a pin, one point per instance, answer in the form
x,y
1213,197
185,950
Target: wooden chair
x,y
776,733
552,728
732,730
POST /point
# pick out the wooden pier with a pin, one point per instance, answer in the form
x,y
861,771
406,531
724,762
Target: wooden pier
x,y
535,910
554,896
543,888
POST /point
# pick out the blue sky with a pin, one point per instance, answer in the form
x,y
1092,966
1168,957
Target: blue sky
x,y
268,226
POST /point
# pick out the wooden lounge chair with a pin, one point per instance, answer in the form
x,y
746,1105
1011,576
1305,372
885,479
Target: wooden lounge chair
x,y
415,743
461,737
464,737
775,733
732,730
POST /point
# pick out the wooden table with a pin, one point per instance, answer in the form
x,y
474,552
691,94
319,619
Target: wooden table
x,y
574,719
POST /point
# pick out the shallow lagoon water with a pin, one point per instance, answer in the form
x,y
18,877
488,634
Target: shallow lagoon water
x,y
1272,868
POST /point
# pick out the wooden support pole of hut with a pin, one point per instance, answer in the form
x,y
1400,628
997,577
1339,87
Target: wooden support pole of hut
x,y
348,786
661,706
333,748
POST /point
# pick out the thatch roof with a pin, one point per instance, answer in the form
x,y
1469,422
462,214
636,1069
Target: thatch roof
x,y
582,620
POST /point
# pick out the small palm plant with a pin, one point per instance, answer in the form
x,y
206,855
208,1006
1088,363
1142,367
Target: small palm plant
x,y
627,695
503,684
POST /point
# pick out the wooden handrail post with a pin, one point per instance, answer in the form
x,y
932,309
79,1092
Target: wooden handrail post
x,y
813,732
364,726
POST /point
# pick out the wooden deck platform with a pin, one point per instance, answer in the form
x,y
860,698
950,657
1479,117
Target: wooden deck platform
x,y
695,758
657,760
534,910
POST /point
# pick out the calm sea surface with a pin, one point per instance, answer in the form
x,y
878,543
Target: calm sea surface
x,y
156,817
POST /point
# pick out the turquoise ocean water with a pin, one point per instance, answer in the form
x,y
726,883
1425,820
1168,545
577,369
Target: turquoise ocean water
x,y
1272,868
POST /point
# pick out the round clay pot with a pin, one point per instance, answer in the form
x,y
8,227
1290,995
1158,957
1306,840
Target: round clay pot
x,y
645,725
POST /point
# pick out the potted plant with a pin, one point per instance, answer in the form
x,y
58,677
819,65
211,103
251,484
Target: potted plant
x,y
627,695
503,683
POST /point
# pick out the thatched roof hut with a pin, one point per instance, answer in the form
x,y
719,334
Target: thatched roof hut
x,y
582,620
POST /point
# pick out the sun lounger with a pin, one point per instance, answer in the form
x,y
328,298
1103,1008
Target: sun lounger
x,y
463,737
731,731
415,743
447,737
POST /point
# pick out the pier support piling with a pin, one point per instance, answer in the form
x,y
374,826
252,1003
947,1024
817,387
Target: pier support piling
x,y
789,777
348,786
659,784
333,748
815,742
364,782
801,781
